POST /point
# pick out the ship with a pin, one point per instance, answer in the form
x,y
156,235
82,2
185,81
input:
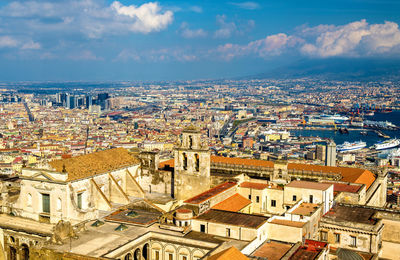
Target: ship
x,y
388,144
347,146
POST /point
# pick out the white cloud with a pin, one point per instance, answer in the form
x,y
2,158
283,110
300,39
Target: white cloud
x,y
145,18
7,41
31,45
196,9
226,29
188,33
271,45
354,39
91,18
247,5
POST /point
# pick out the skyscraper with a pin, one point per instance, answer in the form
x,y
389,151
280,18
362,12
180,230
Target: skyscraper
x,y
330,159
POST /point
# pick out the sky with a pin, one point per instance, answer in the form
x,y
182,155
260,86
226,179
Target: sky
x,y
96,40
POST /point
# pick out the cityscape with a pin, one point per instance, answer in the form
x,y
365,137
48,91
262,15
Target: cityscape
x,y
286,147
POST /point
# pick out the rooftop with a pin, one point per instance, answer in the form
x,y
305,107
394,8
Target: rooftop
x,y
239,161
229,254
87,165
343,187
309,185
305,209
355,214
353,175
233,218
272,250
254,185
210,193
233,203
289,223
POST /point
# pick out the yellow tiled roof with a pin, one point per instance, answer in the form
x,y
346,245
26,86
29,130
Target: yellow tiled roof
x,y
87,165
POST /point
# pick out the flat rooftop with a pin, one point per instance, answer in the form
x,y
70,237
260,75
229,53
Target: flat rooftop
x,y
210,193
305,209
289,223
233,218
273,250
309,185
134,216
355,214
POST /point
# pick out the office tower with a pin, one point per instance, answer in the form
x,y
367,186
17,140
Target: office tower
x,y
330,159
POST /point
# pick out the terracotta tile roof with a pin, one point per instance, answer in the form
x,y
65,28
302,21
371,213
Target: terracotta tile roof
x,y
233,218
353,175
239,161
170,163
254,185
233,203
309,185
229,254
305,209
210,193
272,250
342,187
87,165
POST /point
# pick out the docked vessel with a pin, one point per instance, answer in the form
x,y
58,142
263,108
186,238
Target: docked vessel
x,y
392,143
347,146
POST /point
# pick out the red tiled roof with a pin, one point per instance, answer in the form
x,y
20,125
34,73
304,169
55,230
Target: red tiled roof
x,y
210,193
353,175
342,187
254,185
239,161
229,254
234,203
309,185
170,163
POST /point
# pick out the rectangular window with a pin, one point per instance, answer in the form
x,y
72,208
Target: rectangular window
x,y
324,236
202,228
337,238
294,198
249,197
184,257
157,255
353,241
311,199
228,232
46,203
273,203
79,200
170,256
258,199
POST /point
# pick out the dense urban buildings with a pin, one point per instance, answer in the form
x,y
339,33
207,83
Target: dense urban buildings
x,y
197,170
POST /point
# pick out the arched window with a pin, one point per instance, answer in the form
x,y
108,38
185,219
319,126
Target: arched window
x,y
185,162
29,200
197,162
24,252
128,256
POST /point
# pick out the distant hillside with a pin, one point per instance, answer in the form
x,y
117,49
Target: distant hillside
x,y
337,69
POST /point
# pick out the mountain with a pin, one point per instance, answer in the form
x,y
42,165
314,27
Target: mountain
x,y
359,69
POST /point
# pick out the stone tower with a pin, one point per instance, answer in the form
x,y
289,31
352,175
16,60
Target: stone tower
x,y
192,165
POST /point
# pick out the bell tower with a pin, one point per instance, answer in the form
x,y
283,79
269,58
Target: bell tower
x,y
192,165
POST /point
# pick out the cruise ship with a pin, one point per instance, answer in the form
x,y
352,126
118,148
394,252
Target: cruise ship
x,y
392,143
347,146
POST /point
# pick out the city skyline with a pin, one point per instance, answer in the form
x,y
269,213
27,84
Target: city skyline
x,y
166,40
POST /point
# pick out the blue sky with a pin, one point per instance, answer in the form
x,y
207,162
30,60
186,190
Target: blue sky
x,y
143,40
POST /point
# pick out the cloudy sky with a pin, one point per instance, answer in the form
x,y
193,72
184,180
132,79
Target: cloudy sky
x,y
140,40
